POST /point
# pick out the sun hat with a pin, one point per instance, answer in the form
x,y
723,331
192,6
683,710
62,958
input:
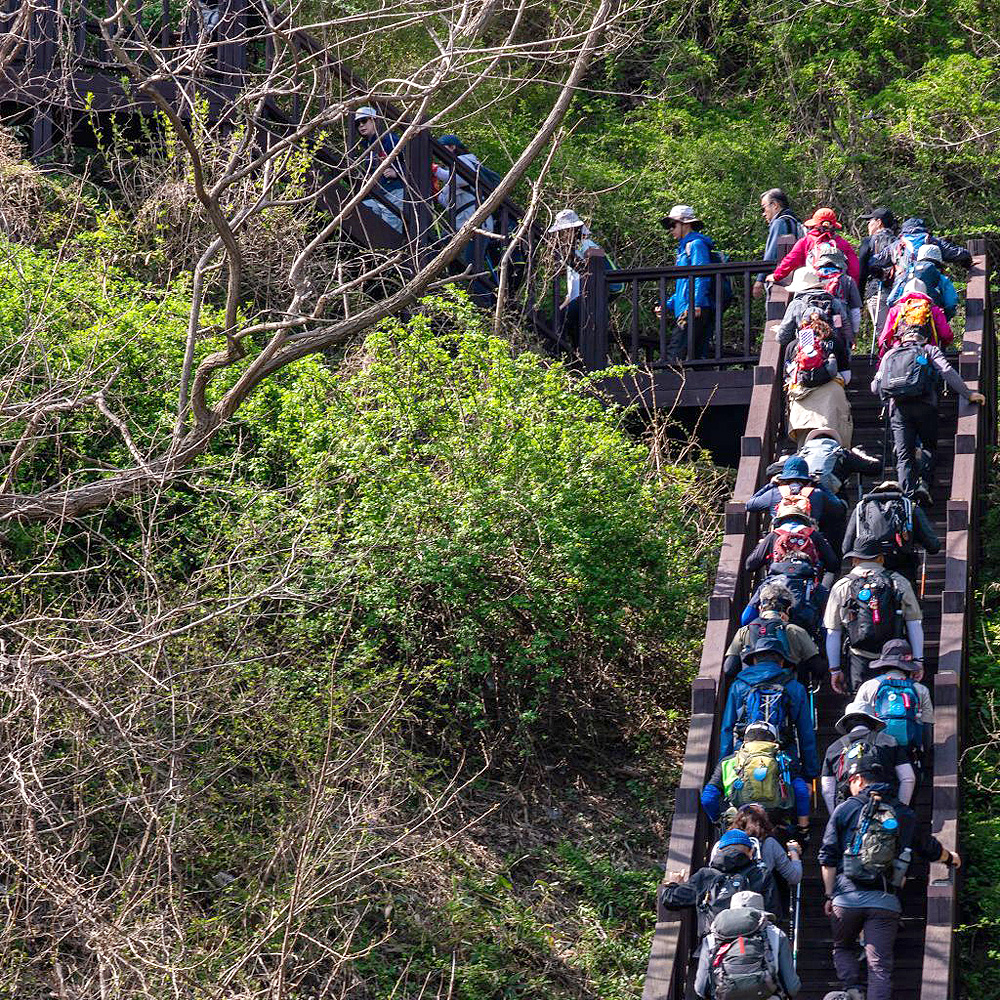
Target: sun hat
x,y
824,217
805,279
795,469
567,219
897,654
859,713
681,213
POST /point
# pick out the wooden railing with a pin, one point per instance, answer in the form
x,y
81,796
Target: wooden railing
x,y
635,334
674,938
976,432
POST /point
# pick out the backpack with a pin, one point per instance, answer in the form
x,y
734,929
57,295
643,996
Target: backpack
x,y
897,703
718,257
795,542
907,373
884,518
742,964
842,766
819,305
869,856
822,243
754,878
873,612
904,253
764,702
759,772
797,503
821,455
799,577
772,628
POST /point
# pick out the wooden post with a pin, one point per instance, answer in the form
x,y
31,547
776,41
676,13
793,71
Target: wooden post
x,y
43,33
594,310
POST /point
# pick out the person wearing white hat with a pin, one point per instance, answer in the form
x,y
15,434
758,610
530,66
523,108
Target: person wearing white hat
x,y
694,249
390,183
815,326
743,941
572,241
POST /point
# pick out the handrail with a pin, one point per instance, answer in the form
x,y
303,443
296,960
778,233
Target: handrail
x,y
673,938
976,430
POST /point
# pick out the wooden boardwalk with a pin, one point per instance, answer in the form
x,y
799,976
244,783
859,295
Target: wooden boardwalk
x,y
926,958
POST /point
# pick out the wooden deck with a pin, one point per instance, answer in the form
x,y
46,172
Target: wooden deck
x,y
926,959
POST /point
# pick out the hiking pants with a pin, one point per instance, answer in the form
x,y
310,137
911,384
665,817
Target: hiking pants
x,y
704,327
880,928
859,669
910,422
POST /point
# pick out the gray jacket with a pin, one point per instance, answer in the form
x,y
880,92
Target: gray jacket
x,y
936,357
788,978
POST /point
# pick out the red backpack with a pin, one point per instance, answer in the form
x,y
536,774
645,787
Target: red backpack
x,y
795,543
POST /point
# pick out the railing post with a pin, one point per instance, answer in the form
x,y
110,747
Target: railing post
x,y
419,192
43,35
594,310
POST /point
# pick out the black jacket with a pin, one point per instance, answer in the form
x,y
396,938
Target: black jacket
x,y
923,532
761,555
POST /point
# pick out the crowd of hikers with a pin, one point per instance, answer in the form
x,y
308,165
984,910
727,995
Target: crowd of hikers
x,y
806,623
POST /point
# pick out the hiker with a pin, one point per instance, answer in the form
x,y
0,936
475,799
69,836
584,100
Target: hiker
x,y
896,524
746,955
390,178
814,332
830,463
765,690
897,259
781,221
867,846
821,232
873,283
798,577
775,603
785,862
831,266
872,605
899,698
793,490
925,275
862,734
907,378
465,194
694,249
572,240
731,868
915,309
793,536
759,772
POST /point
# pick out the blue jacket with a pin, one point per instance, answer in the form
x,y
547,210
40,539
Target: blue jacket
x,y
798,708
378,149
695,250
828,511
784,224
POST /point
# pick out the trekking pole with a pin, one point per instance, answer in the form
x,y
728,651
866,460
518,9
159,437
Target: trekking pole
x,y
878,311
797,906
923,575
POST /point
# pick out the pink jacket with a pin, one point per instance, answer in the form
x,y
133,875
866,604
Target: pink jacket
x,y
796,257
941,327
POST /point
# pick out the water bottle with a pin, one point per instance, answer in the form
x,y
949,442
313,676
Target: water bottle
x,y
900,867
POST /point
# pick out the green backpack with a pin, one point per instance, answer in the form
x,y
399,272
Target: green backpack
x,y
758,772
869,857
743,966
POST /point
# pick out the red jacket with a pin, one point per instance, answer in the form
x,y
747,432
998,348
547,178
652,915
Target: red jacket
x,y
796,257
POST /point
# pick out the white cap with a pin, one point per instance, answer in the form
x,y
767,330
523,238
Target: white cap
x,y
365,111
683,213
746,900
929,251
567,219
805,280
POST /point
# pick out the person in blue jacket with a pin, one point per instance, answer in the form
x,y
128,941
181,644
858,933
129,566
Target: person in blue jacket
x,y
377,144
765,664
781,221
925,275
694,249
827,510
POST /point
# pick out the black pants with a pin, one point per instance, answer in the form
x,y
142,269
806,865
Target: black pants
x,y
859,670
880,927
704,327
569,323
911,422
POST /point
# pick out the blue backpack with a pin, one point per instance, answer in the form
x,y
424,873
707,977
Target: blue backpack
x,y
904,254
927,273
765,702
897,704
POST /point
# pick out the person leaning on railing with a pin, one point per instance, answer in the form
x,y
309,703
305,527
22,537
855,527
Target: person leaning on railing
x,y
390,178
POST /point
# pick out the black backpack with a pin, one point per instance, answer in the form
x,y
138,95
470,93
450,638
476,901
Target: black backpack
x,y
907,373
863,749
873,611
719,895
884,519
799,576
742,965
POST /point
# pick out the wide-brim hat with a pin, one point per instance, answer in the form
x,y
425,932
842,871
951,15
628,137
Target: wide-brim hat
x,y
897,654
794,470
805,279
859,713
824,217
823,432
681,213
864,550
567,219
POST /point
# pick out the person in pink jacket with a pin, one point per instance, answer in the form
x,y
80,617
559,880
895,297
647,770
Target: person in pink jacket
x,y
913,307
821,228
